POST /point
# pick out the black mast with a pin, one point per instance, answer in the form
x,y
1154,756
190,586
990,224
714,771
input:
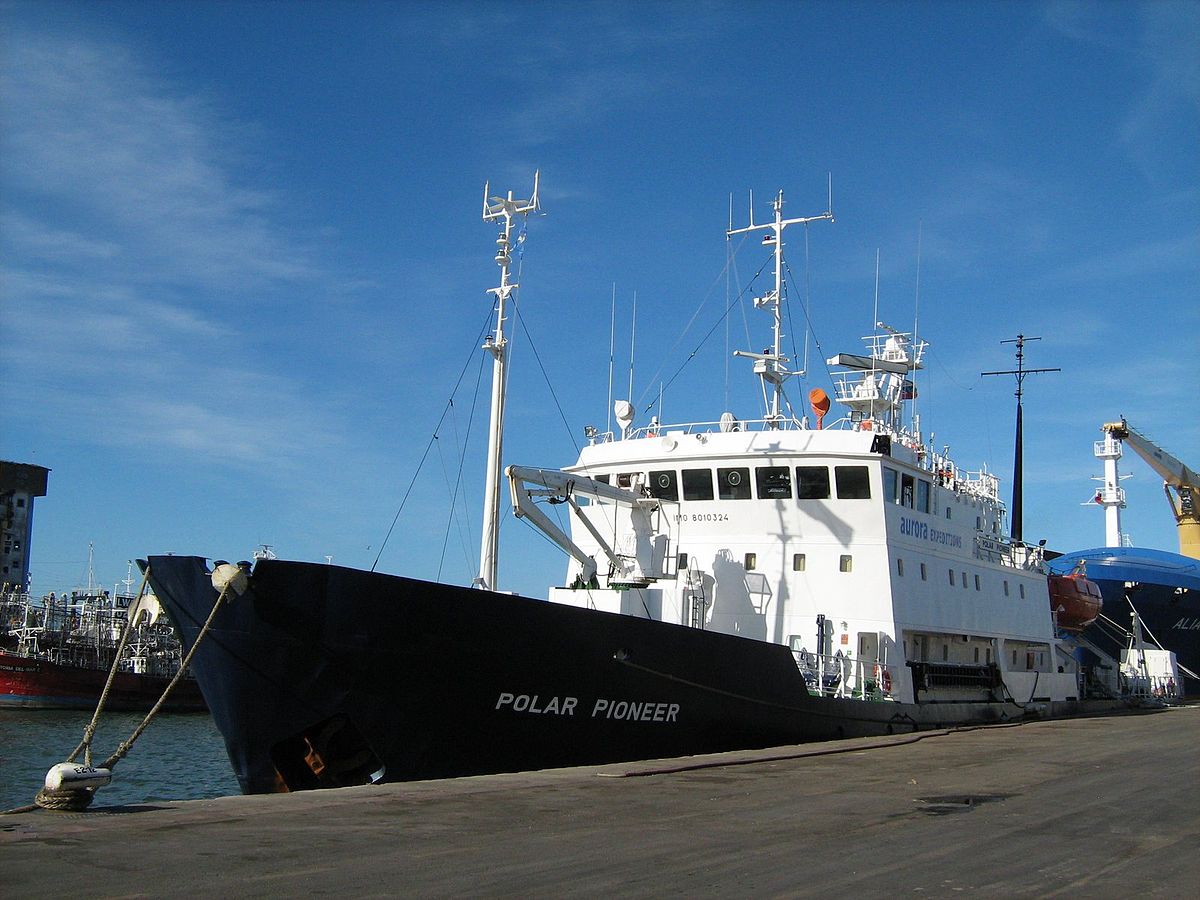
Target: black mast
x,y
1020,372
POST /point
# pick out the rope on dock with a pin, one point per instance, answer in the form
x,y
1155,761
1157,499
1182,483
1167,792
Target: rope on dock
x,y
77,799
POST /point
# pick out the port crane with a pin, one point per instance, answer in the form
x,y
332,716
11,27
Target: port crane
x,y
1180,483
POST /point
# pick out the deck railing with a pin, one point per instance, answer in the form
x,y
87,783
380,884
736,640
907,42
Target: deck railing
x,y
838,675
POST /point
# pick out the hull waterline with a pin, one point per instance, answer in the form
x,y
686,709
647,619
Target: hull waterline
x,y
40,684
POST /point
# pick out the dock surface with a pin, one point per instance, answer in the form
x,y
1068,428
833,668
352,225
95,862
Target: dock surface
x,y
1099,807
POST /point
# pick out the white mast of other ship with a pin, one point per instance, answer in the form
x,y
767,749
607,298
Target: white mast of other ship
x,y
496,209
770,365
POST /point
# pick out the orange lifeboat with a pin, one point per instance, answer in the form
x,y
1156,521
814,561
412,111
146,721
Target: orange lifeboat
x,y
1075,600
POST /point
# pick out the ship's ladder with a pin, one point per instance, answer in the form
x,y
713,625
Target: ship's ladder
x,y
699,602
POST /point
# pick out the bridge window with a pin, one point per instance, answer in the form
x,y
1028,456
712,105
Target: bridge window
x,y
906,490
697,484
853,482
812,483
891,485
733,484
664,485
774,482
922,495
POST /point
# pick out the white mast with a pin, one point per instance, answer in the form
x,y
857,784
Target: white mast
x,y
498,209
1111,496
770,365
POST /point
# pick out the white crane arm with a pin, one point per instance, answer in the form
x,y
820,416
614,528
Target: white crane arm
x,y
527,483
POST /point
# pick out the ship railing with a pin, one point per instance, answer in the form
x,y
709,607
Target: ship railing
x,y
840,675
878,393
1001,549
782,423
1156,687
982,484
656,429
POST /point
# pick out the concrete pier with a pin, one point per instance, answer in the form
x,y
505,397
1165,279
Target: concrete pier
x,y
1102,807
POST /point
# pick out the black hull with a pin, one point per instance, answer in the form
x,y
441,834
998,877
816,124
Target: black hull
x,y
320,676
1170,614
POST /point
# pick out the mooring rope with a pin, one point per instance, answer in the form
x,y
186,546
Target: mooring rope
x,y
78,799
90,731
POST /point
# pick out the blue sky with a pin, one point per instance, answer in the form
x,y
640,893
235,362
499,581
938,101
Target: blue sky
x,y
243,264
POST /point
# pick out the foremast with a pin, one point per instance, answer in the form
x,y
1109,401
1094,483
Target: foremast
x,y
505,210
771,364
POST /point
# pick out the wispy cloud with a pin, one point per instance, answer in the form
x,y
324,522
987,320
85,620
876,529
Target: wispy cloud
x,y
581,66
1169,255
1163,40
92,136
132,246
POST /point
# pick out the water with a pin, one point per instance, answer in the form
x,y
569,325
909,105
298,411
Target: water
x,y
180,756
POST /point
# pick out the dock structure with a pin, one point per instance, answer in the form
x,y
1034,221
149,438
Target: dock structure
x,y
1098,807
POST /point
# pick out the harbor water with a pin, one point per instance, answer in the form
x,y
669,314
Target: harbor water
x,y
180,756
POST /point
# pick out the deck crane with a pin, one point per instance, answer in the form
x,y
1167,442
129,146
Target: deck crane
x,y
1180,483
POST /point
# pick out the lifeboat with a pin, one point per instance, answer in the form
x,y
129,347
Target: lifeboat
x,y
1075,600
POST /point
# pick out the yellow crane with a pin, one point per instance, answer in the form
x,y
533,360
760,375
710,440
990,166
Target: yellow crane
x,y
1180,483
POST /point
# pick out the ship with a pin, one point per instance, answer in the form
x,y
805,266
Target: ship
x,y
732,583
1150,597
56,652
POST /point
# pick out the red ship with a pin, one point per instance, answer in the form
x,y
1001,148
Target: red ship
x,y
56,653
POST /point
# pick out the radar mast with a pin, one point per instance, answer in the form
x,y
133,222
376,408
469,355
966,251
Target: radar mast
x,y
771,364
505,210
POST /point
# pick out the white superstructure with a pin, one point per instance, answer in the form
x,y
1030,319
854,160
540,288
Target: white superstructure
x,y
882,565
